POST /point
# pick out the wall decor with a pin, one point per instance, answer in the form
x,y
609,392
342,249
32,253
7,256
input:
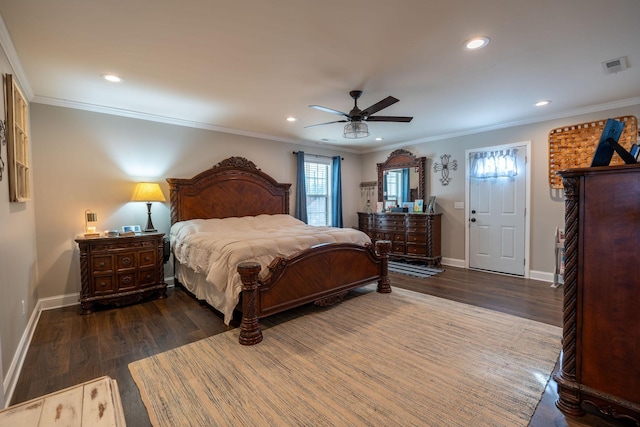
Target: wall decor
x,y
3,141
19,144
573,146
367,191
445,165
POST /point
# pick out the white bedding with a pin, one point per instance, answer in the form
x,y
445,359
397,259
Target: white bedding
x,y
215,247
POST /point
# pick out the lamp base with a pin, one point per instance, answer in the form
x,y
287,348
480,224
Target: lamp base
x,y
149,228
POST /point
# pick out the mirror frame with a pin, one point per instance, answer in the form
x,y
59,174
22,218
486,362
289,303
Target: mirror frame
x,y
399,159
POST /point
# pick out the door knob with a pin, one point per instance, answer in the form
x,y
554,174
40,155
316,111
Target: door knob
x,y
472,220
473,211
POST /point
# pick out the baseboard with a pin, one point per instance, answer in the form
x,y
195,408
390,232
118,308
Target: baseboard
x,y
543,276
460,263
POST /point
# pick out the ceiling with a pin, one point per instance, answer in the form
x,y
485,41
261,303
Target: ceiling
x,y
245,66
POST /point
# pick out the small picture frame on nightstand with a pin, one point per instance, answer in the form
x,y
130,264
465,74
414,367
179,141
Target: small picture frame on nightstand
x,y
130,230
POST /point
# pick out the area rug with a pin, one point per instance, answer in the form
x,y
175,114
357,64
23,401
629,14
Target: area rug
x,y
415,270
399,359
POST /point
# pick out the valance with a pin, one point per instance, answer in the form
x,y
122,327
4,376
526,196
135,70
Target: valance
x,y
493,164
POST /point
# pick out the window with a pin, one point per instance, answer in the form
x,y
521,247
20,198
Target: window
x,y
18,147
317,175
394,186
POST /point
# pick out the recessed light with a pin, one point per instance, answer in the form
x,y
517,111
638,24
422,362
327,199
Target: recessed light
x,y
112,78
542,103
476,43
291,119
378,139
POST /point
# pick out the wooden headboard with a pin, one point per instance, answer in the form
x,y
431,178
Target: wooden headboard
x,y
232,188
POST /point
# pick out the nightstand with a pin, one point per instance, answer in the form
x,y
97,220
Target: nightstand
x,y
121,270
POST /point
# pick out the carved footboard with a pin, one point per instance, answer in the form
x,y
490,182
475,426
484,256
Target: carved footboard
x,y
321,273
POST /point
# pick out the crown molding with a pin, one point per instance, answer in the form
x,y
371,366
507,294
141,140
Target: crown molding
x,y
14,60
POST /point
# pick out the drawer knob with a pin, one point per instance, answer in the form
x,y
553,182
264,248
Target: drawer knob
x,y
126,280
126,261
102,264
147,258
103,284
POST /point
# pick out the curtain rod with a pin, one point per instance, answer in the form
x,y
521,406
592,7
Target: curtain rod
x,y
318,155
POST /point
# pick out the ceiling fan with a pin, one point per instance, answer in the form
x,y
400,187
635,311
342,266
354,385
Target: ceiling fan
x,y
356,118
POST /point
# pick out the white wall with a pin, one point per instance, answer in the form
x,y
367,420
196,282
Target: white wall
x,y
547,206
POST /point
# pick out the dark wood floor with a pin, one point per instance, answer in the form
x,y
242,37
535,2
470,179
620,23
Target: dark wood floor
x,y
68,348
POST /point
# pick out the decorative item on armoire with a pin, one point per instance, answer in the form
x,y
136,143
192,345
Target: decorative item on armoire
x,y
445,166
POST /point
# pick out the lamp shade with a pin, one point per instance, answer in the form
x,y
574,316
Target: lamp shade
x,y
148,192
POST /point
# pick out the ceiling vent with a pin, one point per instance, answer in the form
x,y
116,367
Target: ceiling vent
x,y
614,65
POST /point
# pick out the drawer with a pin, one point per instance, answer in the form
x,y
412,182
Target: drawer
x,y
147,258
416,238
102,285
125,261
398,237
147,277
126,281
416,249
102,263
397,248
384,236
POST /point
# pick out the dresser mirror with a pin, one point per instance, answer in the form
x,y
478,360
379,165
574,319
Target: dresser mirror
x,y
401,178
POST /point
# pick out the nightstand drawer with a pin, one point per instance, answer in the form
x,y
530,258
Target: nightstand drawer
x,y
147,258
126,281
102,263
124,261
102,285
147,276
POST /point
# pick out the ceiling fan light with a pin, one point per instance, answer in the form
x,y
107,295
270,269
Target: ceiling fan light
x,y
355,130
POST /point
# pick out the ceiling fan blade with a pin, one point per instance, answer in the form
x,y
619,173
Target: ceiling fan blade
x,y
329,110
389,100
389,119
327,123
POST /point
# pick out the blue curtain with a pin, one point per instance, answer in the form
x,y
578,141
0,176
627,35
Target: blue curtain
x,y
301,191
406,185
336,193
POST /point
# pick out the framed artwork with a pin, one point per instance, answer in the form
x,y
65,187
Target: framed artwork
x,y
131,228
418,205
408,205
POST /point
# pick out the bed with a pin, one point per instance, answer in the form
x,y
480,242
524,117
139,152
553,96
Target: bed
x,y
261,284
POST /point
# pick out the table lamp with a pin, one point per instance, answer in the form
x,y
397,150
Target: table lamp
x,y
148,192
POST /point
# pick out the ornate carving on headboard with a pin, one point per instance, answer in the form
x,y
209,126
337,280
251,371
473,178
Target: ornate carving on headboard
x,y
237,162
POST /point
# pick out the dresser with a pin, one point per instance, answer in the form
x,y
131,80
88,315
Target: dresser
x,y
413,236
121,270
600,365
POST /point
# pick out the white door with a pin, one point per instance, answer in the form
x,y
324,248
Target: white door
x,y
496,213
